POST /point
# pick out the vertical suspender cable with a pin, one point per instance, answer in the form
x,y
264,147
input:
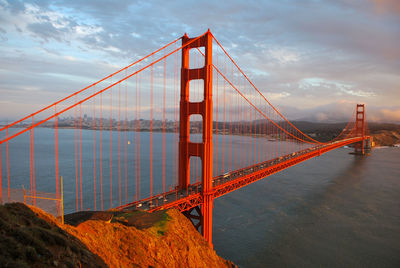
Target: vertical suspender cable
x,y
163,145
136,139
33,164
111,171
174,97
216,120
126,140
76,157
151,132
197,90
80,152
56,159
223,129
119,142
94,150
31,161
101,149
8,169
139,158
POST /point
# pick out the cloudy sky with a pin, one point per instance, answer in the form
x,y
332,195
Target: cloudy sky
x,y
314,59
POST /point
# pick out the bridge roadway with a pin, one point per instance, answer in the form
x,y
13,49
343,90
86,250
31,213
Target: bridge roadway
x,y
184,200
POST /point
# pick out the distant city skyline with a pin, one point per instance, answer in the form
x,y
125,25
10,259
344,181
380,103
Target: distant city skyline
x,y
314,60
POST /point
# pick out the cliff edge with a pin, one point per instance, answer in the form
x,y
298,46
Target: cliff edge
x,y
33,238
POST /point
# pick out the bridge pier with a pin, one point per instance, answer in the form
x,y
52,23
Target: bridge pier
x,y
203,150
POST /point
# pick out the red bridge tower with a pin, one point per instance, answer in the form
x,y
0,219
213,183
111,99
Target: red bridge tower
x,y
359,147
203,150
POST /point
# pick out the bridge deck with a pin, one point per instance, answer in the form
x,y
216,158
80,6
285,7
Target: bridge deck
x,y
186,199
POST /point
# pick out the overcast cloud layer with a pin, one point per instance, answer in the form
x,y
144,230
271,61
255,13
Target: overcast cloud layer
x,y
313,59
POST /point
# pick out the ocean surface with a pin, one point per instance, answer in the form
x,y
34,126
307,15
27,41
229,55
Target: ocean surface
x,y
336,210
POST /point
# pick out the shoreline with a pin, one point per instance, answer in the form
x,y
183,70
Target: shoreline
x,y
381,137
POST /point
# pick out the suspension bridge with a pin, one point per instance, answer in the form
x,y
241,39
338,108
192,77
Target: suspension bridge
x,y
175,129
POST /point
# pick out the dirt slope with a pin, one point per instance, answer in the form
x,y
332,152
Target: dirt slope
x,y
113,239
140,239
386,138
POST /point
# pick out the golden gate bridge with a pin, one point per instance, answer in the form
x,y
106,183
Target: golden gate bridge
x,y
176,129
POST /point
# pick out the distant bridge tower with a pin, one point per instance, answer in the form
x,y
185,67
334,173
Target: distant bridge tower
x,y
203,150
359,147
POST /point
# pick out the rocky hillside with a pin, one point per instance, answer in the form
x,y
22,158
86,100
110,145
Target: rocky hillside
x,y
32,238
386,137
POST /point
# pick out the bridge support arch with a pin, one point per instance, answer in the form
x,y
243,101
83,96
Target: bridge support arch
x,y
203,150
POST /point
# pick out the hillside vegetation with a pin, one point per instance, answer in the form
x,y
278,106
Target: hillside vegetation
x,y
33,238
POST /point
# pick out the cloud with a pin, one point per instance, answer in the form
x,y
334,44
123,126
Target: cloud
x,y
383,6
275,96
45,30
284,55
390,115
338,87
303,56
